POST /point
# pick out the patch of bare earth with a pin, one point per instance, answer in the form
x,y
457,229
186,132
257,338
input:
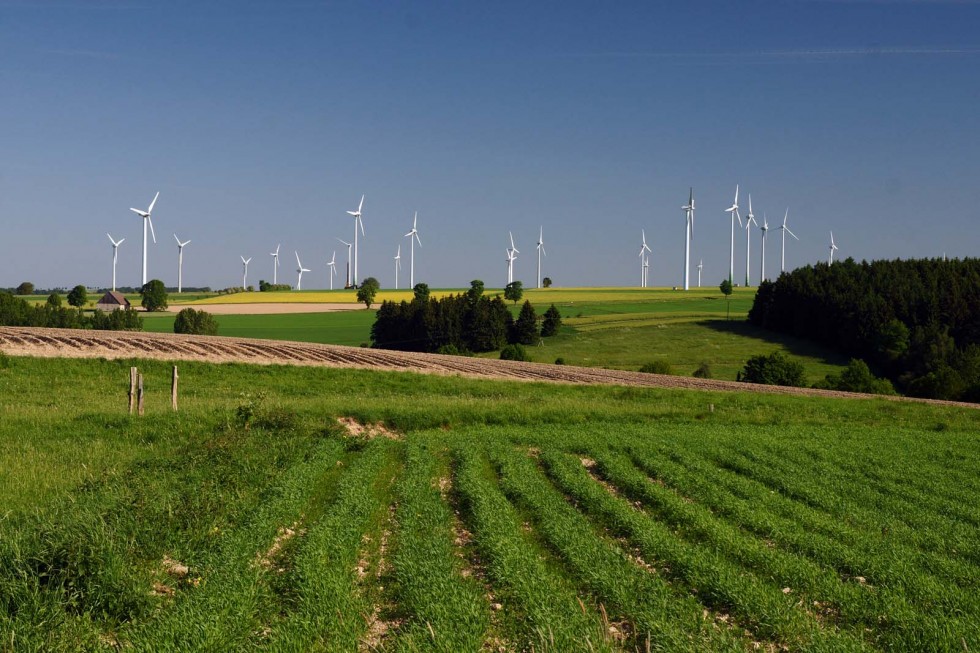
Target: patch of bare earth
x,y
76,343
368,431
270,558
379,622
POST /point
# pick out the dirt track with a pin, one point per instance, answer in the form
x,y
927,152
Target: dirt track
x,y
72,343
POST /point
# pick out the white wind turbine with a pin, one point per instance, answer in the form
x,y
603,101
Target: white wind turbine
x,y
511,256
689,212
833,248
749,221
299,270
245,262
357,223
147,218
643,261
646,270
733,209
785,230
275,265
765,231
348,284
115,252
398,264
700,266
413,235
333,268
540,252
180,263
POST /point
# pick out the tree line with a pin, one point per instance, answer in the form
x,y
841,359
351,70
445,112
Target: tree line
x,y
15,311
915,321
468,322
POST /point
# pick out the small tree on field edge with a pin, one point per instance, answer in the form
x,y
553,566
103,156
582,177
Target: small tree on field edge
x,y
368,290
726,290
25,288
54,300
514,291
526,326
546,282
154,295
199,323
78,296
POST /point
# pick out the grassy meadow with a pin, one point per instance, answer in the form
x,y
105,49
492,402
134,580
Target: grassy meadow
x,y
512,516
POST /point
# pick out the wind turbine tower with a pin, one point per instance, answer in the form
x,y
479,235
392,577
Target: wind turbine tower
x,y
245,262
646,270
180,263
511,256
413,235
833,248
749,221
357,223
398,264
115,252
275,265
333,268
733,209
765,231
299,270
643,261
700,267
147,219
689,211
785,230
540,252
348,283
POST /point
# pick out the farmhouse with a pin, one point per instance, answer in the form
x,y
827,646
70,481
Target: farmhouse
x,y
112,301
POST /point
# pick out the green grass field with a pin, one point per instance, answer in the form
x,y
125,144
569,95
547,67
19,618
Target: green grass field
x,y
504,516
338,328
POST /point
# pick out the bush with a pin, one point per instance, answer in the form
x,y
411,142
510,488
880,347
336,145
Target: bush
x,y
857,377
452,350
25,288
515,352
54,300
703,371
154,296
199,323
657,367
78,296
559,361
774,369
552,322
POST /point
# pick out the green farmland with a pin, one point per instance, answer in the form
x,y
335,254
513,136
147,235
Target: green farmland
x,y
487,516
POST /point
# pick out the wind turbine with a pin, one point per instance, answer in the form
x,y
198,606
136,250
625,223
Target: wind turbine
x,y
398,264
357,222
700,266
413,235
689,211
180,263
146,215
646,270
245,262
333,268
749,221
765,231
299,270
275,266
785,230
643,263
540,252
510,265
833,248
115,252
348,284
733,209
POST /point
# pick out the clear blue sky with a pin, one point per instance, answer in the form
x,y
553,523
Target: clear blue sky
x,y
262,122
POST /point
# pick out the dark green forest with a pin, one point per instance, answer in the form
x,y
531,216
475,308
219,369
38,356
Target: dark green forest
x,y
917,322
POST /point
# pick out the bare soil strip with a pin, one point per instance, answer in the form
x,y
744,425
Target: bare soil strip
x,y
74,343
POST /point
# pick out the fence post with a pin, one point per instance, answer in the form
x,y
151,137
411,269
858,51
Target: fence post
x,y
132,389
173,390
139,394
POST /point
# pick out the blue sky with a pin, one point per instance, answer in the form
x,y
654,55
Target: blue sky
x,y
263,122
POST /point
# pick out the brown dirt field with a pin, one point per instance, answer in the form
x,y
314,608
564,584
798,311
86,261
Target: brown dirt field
x,y
73,343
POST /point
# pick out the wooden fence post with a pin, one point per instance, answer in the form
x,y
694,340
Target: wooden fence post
x,y
132,389
173,390
139,394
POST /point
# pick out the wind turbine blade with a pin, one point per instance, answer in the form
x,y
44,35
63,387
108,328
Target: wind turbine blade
x,y
242,257
297,259
543,251
120,242
361,205
418,239
150,220
277,249
153,203
790,232
344,242
360,222
736,195
511,240
110,238
138,212
415,221
177,239
785,217
737,216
